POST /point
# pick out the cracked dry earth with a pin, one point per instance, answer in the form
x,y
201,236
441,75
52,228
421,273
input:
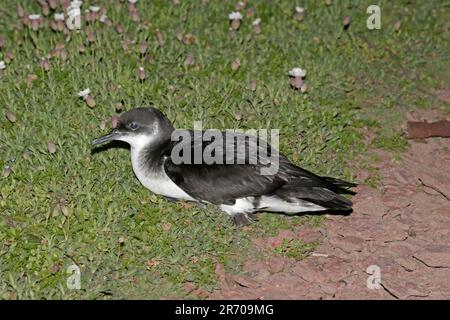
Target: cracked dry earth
x,y
403,227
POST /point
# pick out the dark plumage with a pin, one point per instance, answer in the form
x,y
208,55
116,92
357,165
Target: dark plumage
x,y
239,189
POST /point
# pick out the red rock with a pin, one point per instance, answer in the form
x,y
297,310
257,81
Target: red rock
x,y
438,257
276,264
348,243
245,282
310,235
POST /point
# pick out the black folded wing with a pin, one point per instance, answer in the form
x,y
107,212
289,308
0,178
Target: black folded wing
x,y
221,183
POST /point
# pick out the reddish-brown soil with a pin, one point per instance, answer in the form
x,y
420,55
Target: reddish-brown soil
x,y
402,227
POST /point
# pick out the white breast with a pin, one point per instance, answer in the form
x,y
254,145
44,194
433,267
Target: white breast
x,y
156,181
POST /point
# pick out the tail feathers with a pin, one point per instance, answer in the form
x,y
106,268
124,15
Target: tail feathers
x,y
339,185
317,195
339,182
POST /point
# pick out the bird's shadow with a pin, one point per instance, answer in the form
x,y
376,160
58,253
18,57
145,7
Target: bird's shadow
x,y
110,145
323,212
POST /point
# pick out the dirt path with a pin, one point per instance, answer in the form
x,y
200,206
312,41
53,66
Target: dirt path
x,y
403,228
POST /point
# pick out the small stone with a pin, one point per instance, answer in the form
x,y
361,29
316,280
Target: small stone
x,y
135,16
189,61
240,5
257,29
252,85
54,269
159,38
10,116
179,35
90,101
20,11
45,64
346,22
143,47
235,64
9,56
7,171
235,24
119,28
51,147
30,79
90,36
114,121
250,12
52,4
296,82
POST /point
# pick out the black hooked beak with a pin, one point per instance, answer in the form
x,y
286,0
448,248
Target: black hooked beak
x,y
110,136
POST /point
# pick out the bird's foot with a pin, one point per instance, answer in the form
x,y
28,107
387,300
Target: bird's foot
x,y
242,218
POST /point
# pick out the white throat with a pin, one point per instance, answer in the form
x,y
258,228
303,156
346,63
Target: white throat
x,y
153,178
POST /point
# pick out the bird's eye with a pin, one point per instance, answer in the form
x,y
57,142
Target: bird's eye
x,y
134,125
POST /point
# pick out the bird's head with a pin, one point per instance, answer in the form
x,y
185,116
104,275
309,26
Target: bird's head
x,y
140,127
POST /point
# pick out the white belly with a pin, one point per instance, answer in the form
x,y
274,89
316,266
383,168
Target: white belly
x,y
157,182
271,204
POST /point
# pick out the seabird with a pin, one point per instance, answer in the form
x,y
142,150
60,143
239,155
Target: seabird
x,y
236,183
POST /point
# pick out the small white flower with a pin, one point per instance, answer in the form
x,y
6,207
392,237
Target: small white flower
x,y
34,16
297,72
74,12
299,9
84,93
103,18
74,8
94,8
235,16
75,4
256,22
59,16
132,1
2,65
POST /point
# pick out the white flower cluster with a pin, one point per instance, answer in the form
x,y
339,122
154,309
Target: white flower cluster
x,y
74,15
34,16
84,93
297,72
235,16
94,8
